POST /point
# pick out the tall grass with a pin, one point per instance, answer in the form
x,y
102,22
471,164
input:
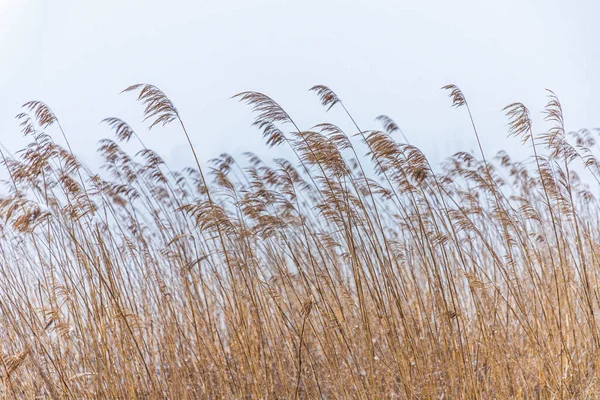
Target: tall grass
x,y
332,275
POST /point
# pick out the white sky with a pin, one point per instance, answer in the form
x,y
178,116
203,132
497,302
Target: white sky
x,y
381,57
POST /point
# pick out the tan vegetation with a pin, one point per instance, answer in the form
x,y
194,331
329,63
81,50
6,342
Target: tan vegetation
x,y
334,275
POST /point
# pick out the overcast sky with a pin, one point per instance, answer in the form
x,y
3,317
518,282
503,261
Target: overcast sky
x,y
381,57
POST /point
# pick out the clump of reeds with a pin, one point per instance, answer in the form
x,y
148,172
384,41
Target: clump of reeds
x,y
332,275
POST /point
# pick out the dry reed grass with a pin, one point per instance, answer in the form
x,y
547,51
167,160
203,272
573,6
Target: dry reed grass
x,y
331,276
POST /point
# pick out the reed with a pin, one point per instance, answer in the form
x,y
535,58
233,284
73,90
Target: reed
x,y
331,275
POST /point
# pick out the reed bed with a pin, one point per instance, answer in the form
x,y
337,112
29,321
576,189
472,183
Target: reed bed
x,y
336,274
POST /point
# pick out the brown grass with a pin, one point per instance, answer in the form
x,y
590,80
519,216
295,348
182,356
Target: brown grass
x,y
334,275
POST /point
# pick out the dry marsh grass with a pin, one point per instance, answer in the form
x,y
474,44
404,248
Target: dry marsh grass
x,y
332,275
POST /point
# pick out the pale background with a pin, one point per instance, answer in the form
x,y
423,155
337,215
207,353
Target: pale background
x,y
381,57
